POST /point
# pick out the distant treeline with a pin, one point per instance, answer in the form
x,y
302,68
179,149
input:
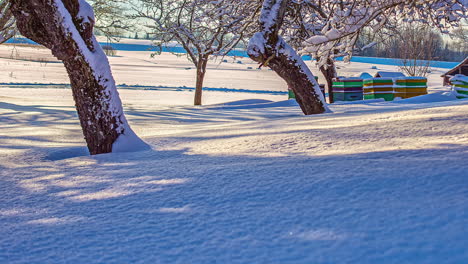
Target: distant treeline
x,y
420,42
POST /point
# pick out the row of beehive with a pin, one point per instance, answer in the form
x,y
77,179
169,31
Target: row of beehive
x,y
351,89
460,85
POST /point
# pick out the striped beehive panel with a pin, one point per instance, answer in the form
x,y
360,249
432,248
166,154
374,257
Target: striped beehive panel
x,y
347,96
407,87
347,89
376,88
399,88
460,86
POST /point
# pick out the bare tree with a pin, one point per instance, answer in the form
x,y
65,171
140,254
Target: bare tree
x,y
268,48
416,46
111,18
66,27
7,22
303,20
460,37
202,27
350,18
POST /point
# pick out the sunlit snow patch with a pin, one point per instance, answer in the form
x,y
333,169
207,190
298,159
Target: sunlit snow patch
x,y
318,235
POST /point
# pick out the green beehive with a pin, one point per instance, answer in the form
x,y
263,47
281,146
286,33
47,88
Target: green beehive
x,y
291,94
375,88
460,85
347,89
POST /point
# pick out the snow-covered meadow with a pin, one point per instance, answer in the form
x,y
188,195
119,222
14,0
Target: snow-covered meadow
x,y
246,178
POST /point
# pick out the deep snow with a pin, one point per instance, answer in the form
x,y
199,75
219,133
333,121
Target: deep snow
x,y
244,179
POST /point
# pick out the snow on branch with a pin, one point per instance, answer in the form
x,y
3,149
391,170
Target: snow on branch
x,y
270,14
7,22
340,30
201,27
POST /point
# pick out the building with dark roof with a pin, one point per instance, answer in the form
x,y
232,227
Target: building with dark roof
x,y
461,68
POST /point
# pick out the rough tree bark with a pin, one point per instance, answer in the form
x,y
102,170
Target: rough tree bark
x,y
329,73
66,27
201,71
269,49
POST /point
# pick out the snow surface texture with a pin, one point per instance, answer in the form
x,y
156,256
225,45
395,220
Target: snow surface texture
x,y
251,181
126,44
34,65
244,179
390,74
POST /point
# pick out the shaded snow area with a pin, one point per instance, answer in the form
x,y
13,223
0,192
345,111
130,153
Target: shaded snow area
x,y
239,181
246,178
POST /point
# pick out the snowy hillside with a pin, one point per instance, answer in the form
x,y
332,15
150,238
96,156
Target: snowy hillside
x,y
36,65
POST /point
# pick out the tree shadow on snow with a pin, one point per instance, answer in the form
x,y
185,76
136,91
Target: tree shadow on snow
x,y
207,208
341,207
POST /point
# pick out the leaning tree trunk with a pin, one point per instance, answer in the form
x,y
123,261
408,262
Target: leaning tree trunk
x,y
201,71
329,72
269,49
66,27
